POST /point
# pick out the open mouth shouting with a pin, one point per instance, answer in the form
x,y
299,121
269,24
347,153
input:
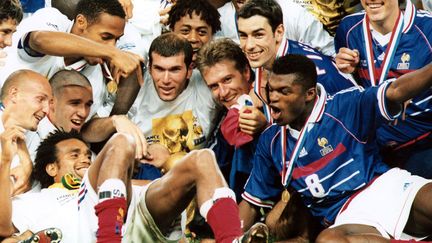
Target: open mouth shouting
x,y
275,113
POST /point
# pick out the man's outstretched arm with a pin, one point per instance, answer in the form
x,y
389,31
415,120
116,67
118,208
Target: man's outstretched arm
x,y
408,86
69,45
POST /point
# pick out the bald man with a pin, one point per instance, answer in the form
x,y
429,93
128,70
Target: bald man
x,y
25,98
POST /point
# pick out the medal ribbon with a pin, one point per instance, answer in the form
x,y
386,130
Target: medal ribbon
x,y
316,114
403,24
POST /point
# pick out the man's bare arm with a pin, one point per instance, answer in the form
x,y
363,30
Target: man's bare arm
x,y
248,214
9,139
408,86
70,45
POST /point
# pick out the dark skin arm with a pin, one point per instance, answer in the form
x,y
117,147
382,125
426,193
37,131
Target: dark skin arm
x,y
128,89
248,214
408,86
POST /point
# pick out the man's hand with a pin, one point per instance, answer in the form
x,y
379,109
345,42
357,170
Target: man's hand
x,y
347,60
159,155
21,173
127,7
21,179
9,142
123,63
251,121
123,124
164,14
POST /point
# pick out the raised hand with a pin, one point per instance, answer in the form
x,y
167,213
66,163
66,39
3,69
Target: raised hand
x,y
347,60
123,124
251,121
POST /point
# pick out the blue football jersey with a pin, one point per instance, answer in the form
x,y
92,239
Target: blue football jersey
x,y
414,51
339,155
328,74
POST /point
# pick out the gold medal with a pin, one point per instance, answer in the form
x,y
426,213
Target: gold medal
x,y
112,87
285,196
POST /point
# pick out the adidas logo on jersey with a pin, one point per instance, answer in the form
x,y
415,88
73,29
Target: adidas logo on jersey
x,y
303,153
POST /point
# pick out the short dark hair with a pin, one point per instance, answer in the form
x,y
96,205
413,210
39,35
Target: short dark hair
x,y
11,9
299,65
202,8
47,154
268,9
219,50
91,9
170,44
66,78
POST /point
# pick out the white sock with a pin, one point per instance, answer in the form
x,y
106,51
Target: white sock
x,y
221,192
111,188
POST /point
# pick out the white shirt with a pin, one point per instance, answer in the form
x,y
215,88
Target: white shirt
x,y
299,25
184,122
54,207
50,19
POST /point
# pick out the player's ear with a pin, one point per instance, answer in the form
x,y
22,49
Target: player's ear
x,y
13,94
52,169
279,33
311,93
81,22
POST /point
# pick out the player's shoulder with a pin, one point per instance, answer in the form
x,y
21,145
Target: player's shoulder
x,y
352,20
423,20
269,133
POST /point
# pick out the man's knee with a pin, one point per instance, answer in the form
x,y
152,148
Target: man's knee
x,y
330,235
122,146
199,161
205,160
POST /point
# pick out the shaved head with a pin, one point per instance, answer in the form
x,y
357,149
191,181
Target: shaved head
x,y
65,78
26,96
73,98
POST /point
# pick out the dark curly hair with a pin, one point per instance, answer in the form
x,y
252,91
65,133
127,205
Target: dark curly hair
x,y
47,154
201,8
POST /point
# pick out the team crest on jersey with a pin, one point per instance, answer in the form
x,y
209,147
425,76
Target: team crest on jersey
x,y
405,58
326,148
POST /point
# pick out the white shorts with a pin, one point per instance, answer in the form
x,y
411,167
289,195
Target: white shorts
x,y
139,226
385,204
87,200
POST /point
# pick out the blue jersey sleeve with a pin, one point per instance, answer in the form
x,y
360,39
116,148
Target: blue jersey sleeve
x,y
364,110
264,183
340,36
